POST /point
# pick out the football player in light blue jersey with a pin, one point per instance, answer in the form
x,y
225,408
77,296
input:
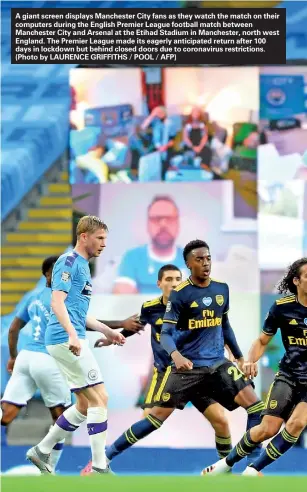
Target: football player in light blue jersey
x,y
65,341
33,368
39,370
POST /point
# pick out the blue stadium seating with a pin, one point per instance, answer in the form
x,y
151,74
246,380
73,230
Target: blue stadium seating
x,y
35,104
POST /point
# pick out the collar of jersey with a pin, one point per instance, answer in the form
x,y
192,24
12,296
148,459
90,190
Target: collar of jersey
x,y
298,302
80,256
194,285
161,300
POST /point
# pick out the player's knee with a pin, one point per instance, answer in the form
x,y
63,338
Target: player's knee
x,y
296,425
268,429
161,413
98,397
220,426
56,412
82,407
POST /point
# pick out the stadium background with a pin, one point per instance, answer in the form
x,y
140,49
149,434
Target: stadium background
x,y
37,221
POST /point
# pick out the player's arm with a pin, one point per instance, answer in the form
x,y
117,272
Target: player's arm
x,y
61,283
229,336
17,324
258,347
125,282
131,326
114,337
138,323
58,298
167,340
230,339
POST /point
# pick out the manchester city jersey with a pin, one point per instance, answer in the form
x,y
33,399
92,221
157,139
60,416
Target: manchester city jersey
x,y
37,311
197,312
288,315
71,274
152,313
140,268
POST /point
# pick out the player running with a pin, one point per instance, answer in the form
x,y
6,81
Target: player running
x,y
287,398
195,328
33,368
169,277
65,341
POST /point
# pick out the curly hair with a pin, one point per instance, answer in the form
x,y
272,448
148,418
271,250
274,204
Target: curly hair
x,y
48,263
197,243
294,271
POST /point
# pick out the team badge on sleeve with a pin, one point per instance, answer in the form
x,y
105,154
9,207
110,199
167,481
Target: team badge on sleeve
x,y
65,276
219,299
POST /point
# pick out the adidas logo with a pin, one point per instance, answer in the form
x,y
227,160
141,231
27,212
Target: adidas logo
x,y
194,304
159,321
293,322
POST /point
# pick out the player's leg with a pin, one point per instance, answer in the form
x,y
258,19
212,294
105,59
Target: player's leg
x,y
57,450
278,408
141,428
248,399
215,414
55,393
84,378
238,391
150,423
75,371
231,389
283,441
259,430
9,412
67,422
97,425
19,389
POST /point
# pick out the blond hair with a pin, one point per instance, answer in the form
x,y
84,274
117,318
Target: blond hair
x,y
90,224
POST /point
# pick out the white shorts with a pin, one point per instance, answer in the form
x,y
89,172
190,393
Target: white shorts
x,y
79,371
32,371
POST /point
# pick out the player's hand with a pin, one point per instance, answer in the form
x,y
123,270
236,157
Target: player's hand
x,y
181,363
10,365
103,342
250,369
240,363
116,338
133,324
74,345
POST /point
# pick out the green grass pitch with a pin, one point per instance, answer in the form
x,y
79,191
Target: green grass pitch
x,y
153,484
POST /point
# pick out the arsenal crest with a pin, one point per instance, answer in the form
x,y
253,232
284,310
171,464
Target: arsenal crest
x,y
219,299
